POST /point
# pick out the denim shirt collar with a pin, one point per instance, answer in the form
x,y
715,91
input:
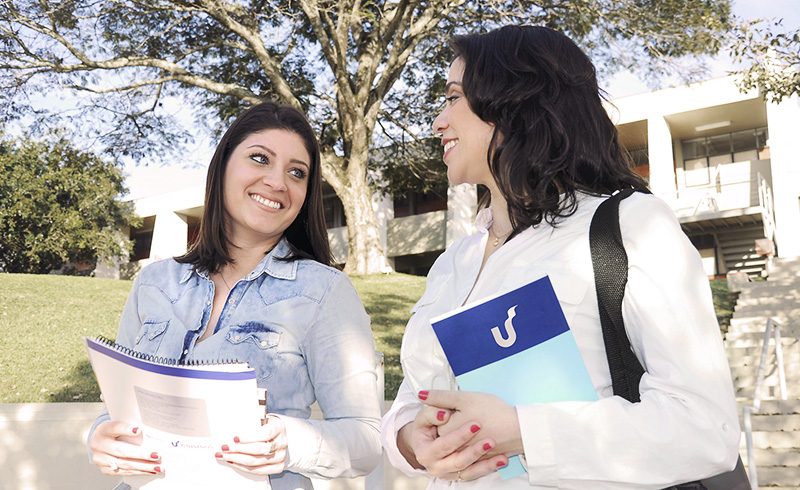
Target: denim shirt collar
x,y
270,264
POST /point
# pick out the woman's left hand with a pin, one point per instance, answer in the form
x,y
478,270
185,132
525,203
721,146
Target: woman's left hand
x,y
261,451
498,420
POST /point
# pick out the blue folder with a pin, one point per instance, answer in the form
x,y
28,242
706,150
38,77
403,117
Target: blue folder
x,y
517,346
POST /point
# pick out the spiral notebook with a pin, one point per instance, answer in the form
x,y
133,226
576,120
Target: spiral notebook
x,y
518,346
186,412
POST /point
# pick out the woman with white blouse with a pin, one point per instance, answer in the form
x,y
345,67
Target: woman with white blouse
x,y
524,118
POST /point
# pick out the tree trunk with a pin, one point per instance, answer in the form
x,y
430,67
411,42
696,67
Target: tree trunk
x,y
348,177
365,251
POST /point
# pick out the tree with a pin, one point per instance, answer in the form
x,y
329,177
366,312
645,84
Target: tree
x,y
771,56
367,73
58,205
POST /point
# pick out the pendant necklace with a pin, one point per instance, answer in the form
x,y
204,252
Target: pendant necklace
x,y
497,238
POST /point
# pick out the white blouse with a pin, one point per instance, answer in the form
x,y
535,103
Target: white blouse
x,y
686,425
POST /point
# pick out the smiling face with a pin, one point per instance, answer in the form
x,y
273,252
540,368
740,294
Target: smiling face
x,y
465,136
265,185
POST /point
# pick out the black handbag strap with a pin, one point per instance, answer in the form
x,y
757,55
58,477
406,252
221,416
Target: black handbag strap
x,y
610,264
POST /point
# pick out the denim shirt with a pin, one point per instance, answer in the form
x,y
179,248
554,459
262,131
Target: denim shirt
x,y
301,326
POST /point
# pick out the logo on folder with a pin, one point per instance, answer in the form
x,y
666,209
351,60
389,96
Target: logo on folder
x,y
522,338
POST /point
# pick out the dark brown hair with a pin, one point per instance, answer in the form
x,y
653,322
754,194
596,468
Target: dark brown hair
x,y
552,134
307,235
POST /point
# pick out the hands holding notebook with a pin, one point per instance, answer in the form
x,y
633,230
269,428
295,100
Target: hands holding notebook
x,y
117,450
261,451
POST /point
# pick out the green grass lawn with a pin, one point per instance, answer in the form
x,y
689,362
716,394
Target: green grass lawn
x,y
43,320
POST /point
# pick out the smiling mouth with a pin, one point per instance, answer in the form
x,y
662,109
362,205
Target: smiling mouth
x,y
449,146
266,202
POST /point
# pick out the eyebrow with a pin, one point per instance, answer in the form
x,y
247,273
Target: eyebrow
x,y
293,160
450,85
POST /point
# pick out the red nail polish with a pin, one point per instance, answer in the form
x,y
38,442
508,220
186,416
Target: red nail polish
x,y
500,464
475,428
218,455
225,447
135,430
157,469
236,439
440,415
423,395
486,446
153,455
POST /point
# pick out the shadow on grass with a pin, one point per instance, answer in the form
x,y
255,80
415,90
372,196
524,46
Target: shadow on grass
x,y
389,314
81,386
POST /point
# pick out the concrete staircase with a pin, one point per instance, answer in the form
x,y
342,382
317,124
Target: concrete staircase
x,y
776,426
738,249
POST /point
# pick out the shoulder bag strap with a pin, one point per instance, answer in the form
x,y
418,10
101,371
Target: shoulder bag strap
x,y
610,264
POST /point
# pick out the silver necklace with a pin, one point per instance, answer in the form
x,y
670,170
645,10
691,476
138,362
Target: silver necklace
x,y
224,281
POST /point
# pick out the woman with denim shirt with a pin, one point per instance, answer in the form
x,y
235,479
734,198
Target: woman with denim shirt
x,y
257,286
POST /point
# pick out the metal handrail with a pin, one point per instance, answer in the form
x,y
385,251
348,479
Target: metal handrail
x,y
771,331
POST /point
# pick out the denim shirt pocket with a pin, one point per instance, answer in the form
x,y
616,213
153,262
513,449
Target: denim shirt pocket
x,y
150,336
256,344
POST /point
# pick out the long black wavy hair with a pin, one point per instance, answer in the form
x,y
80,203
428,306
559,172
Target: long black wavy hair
x,y
307,235
552,135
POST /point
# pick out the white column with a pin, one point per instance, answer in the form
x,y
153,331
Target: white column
x,y
462,203
169,235
383,205
784,148
662,162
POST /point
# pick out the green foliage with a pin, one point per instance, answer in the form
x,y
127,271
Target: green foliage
x,y
771,56
58,205
724,302
414,166
319,55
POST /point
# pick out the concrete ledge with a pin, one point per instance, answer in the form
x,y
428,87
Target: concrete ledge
x,y
42,448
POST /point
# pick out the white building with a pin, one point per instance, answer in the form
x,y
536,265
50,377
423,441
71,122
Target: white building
x,y
727,162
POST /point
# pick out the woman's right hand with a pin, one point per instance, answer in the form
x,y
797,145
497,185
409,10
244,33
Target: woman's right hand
x,y
447,457
117,450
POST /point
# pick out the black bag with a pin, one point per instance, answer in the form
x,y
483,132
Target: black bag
x,y
610,263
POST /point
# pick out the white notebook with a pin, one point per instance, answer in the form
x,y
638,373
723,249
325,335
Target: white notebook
x,y
186,412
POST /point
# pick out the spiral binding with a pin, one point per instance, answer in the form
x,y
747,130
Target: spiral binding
x,y
164,361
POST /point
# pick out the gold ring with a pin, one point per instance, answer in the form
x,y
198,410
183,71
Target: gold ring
x,y
459,475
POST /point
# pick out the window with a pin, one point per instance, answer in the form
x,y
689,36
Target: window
x,y
413,203
701,155
142,238
332,208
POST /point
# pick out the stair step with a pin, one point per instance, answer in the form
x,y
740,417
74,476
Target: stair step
x,y
782,476
755,326
750,340
751,318
786,407
770,457
737,359
775,423
786,332
780,440
767,391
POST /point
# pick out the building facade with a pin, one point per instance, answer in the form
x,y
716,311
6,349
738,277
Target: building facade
x,y
727,162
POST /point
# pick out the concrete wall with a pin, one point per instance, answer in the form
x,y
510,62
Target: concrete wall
x,y
42,448
784,119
